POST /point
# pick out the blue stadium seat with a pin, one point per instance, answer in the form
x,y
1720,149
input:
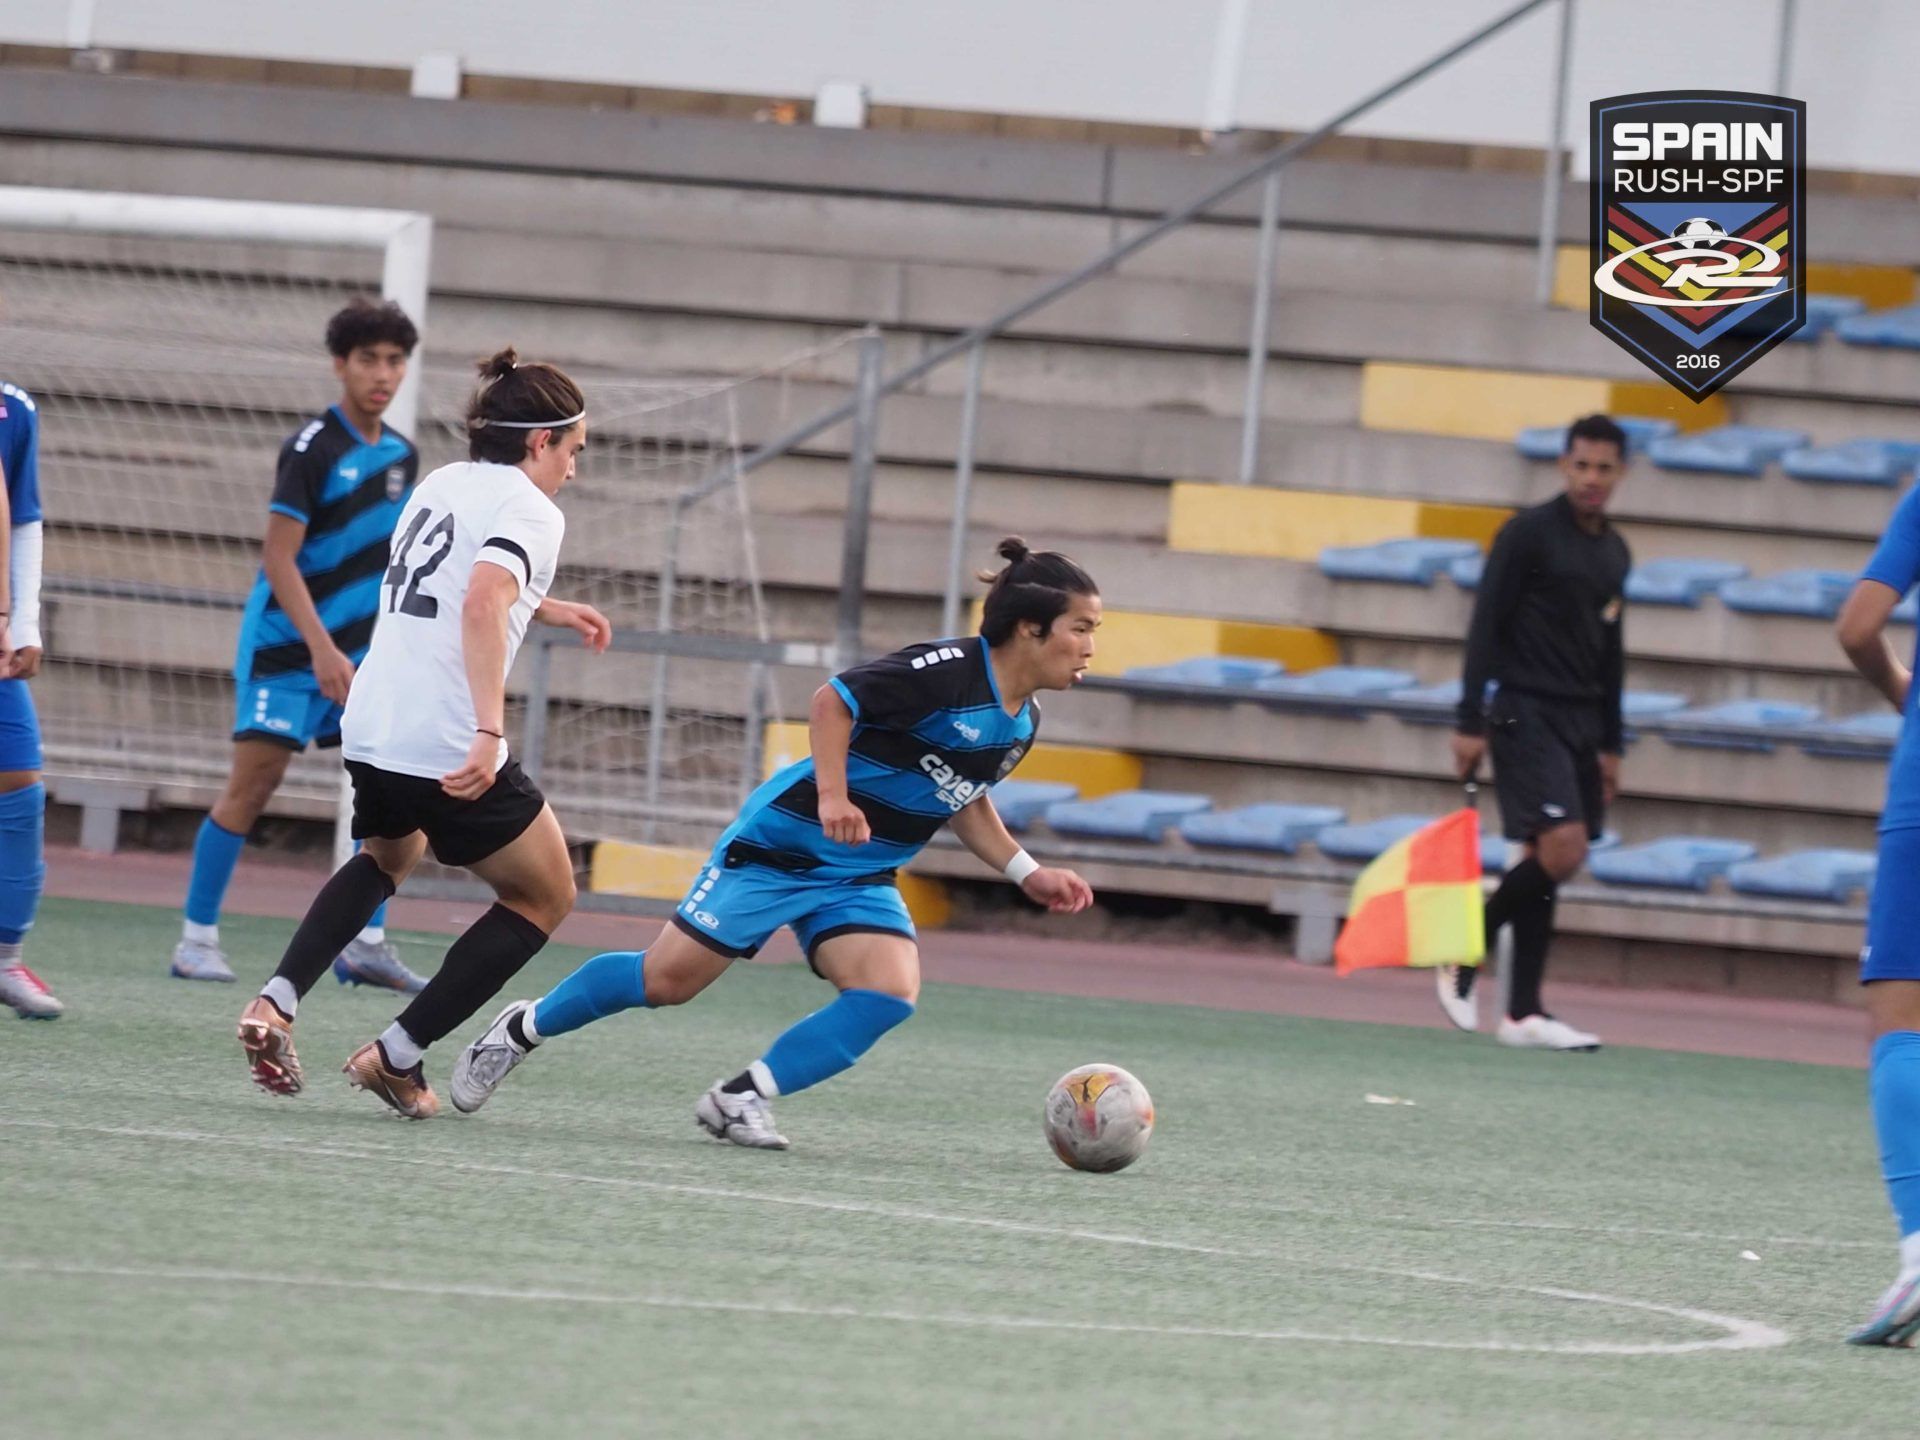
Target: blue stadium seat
x,y
1545,442
1824,312
1725,450
1899,328
1228,672
1284,828
1363,842
1466,571
1427,704
1679,862
1339,681
1869,736
1737,725
1806,875
1679,582
1021,802
1644,705
1493,853
1401,562
1853,462
1126,814
1816,594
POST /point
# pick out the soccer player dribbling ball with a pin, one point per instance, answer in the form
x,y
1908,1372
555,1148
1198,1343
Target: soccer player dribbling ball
x,y
1890,960
423,734
339,487
900,747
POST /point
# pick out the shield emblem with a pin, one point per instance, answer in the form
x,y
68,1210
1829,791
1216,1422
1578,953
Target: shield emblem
x,y
396,481
1698,253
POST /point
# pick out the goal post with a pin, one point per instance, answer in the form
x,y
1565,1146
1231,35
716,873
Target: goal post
x,y
173,342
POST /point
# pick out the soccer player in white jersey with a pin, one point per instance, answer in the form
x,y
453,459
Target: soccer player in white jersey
x,y
473,556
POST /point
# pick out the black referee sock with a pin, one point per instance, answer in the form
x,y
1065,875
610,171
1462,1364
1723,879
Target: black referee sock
x,y
478,965
1532,933
339,912
1520,888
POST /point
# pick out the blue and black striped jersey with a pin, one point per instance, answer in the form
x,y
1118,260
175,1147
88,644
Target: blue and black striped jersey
x,y
349,495
930,735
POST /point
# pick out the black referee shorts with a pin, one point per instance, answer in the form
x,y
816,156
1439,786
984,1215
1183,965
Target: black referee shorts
x,y
389,806
1546,764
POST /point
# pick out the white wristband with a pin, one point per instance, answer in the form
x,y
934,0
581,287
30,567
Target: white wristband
x,y
1020,867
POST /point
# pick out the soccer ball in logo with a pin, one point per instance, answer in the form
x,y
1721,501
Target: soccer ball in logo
x,y
1099,1118
1699,231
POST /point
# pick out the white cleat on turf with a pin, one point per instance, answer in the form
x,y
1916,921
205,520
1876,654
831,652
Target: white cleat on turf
x,y
745,1119
1462,1009
486,1062
1896,1319
1543,1032
27,993
200,960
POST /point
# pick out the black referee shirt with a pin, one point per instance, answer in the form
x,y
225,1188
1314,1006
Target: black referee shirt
x,y
1547,619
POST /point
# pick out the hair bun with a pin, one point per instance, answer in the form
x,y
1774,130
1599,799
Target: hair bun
x,y
1013,550
500,364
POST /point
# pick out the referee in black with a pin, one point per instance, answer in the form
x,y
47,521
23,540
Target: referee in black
x,y
1547,637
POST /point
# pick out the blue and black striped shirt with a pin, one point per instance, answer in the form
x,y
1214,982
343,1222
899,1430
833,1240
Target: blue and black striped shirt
x,y
349,495
930,736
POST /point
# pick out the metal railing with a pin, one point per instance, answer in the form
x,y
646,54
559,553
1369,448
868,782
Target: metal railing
x,y
863,408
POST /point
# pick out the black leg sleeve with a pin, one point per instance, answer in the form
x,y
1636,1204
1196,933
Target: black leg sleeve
x,y
477,966
338,913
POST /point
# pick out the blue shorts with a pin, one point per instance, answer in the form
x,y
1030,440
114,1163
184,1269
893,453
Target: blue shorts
x,y
291,714
1893,911
734,907
19,727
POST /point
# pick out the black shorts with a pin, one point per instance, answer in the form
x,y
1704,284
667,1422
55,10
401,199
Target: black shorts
x,y
1546,764
389,806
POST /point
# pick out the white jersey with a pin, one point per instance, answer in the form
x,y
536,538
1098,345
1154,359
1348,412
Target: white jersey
x,y
410,710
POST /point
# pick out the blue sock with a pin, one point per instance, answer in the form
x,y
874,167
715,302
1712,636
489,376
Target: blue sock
x,y
23,867
216,851
1893,1080
830,1040
605,985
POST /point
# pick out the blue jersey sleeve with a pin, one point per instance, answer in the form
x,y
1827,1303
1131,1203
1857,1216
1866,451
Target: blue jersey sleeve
x,y
20,453
1896,563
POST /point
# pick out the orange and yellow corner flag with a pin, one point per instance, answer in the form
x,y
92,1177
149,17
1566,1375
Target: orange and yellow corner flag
x,y
1419,902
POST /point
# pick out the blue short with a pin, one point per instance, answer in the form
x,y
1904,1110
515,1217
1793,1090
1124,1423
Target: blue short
x,y
735,907
19,727
1893,912
288,713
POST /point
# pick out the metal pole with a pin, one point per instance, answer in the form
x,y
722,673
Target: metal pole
x,y
539,687
1172,220
1553,181
1257,340
1783,59
1223,82
751,751
853,553
962,493
657,702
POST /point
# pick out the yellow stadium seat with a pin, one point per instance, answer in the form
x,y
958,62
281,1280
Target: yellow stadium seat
x,y
1299,524
653,872
1498,404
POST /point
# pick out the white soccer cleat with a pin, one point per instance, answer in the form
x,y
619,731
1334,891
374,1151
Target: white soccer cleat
x,y
27,993
1462,1009
745,1119
200,960
487,1061
1896,1319
1543,1032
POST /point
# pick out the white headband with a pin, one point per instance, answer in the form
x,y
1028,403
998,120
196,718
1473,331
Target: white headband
x,y
485,424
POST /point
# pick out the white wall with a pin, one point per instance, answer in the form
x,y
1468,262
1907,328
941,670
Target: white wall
x,y
1148,61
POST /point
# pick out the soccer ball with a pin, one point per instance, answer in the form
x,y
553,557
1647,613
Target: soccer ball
x,y
1098,1117
1699,231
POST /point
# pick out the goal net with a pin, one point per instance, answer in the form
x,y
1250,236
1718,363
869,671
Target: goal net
x,y
172,346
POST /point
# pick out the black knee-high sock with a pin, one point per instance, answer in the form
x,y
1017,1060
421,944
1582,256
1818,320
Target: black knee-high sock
x,y
480,962
338,913
1532,933
1520,889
